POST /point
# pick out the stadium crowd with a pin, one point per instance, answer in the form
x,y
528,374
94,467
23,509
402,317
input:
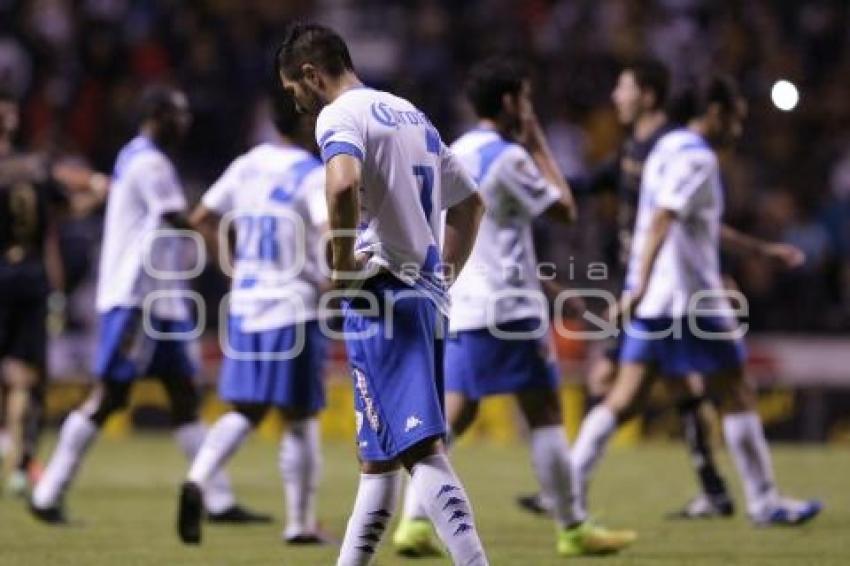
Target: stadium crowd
x,y
78,66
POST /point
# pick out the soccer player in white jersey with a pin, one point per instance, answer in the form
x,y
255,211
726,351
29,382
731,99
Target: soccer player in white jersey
x,y
388,178
274,197
145,197
499,320
677,317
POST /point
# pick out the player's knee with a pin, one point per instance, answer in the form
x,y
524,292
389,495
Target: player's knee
x,y
254,412
420,451
106,398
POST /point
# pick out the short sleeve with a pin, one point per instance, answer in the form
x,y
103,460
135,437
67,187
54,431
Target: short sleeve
x,y
523,180
456,183
337,132
682,177
159,187
219,197
314,197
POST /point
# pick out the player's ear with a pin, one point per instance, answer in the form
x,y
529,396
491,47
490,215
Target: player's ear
x,y
310,73
510,104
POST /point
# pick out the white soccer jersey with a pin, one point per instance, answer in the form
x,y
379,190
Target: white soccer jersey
x,y
275,197
681,174
144,187
408,175
499,282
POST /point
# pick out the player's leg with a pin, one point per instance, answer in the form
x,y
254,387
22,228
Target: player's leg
x,y
551,462
397,370
748,446
625,398
693,407
413,536
116,371
21,380
300,462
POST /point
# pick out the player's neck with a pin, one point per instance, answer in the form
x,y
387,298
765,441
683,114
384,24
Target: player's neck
x,y
345,82
152,133
493,125
648,123
699,127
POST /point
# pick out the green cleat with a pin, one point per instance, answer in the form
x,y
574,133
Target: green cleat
x,y
414,538
588,539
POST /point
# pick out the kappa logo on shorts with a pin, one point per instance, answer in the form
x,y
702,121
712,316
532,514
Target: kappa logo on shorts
x,y
411,423
363,390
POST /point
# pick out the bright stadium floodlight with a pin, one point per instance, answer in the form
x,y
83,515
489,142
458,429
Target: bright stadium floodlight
x,y
784,95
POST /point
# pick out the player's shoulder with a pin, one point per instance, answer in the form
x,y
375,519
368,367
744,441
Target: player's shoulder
x,y
142,155
684,141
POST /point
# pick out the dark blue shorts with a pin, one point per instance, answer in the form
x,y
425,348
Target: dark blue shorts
x,y
124,351
254,373
680,353
396,362
479,364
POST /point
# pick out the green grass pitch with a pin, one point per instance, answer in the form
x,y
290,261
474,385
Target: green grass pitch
x,y
125,500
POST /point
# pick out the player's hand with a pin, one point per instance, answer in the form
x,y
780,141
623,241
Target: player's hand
x,y
350,273
785,254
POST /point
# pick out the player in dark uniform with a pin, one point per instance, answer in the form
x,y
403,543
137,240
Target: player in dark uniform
x,y
640,102
30,198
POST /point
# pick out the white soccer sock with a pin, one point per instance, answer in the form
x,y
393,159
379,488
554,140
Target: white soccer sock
x,y
376,499
76,436
596,428
301,468
746,442
412,508
551,460
447,505
207,452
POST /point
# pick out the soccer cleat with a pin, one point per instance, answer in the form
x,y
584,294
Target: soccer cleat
x,y
17,484
705,506
414,538
587,539
189,515
237,514
317,538
50,515
789,512
535,504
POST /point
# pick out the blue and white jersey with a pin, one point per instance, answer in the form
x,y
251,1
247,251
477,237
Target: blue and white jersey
x,y
501,273
408,177
274,196
144,188
682,175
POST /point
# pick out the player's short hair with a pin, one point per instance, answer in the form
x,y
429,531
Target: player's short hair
x,y
155,100
651,74
284,115
490,80
697,95
315,44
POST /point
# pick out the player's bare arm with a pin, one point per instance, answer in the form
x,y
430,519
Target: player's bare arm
x,y
659,228
342,186
462,222
534,141
739,243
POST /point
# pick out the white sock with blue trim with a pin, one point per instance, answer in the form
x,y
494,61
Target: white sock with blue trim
x,y
550,458
377,496
745,439
445,501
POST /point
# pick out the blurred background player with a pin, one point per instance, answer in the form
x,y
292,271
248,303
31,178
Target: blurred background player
x,y
675,259
274,196
499,291
640,101
388,178
33,195
146,197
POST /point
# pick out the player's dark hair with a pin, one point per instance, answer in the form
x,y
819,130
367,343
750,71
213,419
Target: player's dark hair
x,y
155,100
490,80
651,74
315,44
697,95
284,116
